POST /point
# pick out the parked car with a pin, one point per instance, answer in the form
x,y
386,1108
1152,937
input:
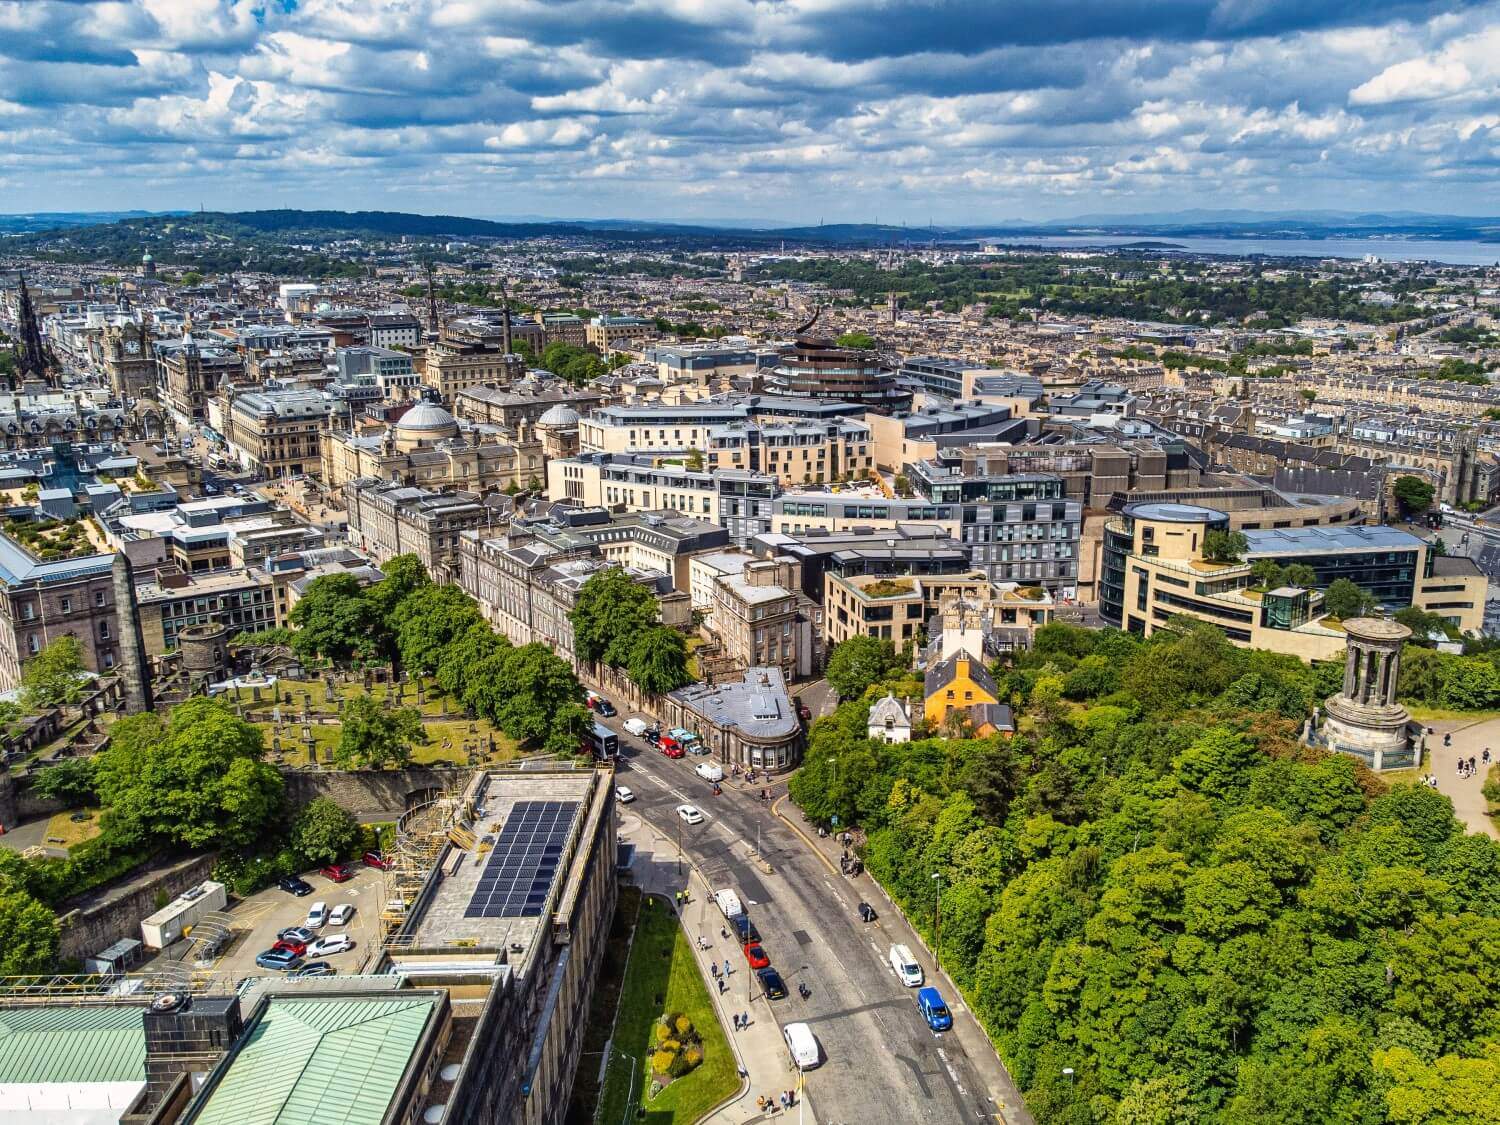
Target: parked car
x,y
341,914
291,945
802,1045
710,771
624,794
689,814
652,735
279,959
756,956
906,966
317,916
636,727
334,943
375,859
744,928
771,984
337,872
934,1011
315,969
803,712
295,885
670,747
297,933
606,708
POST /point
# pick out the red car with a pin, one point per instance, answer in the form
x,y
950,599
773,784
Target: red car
x,y
290,945
375,859
671,747
337,872
756,956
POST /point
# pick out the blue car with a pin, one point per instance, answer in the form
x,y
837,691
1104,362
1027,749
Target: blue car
x,y
282,960
934,1011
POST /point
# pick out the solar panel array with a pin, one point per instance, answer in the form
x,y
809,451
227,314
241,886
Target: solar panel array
x,y
519,872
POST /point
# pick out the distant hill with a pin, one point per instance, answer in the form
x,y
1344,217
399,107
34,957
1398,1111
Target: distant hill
x,y
51,220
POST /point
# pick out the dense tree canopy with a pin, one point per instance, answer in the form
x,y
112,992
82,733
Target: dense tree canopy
x,y
372,737
324,833
612,611
858,663
336,621
1414,494
55,675
1157,887
658,660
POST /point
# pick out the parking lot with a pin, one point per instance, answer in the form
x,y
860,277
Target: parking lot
x,y
258,919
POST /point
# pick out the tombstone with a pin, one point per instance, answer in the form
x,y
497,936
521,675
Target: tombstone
x,y
473,728
369,679
306,707
421,691
400,693
255,693
276,714
328,754
490,738
332,686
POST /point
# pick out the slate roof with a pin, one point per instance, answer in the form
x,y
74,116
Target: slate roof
x,y
941,673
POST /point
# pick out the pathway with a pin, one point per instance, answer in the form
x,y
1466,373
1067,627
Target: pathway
x,y
762,1055
1469,741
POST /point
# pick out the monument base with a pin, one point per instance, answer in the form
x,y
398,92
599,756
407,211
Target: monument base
x,y
1378,736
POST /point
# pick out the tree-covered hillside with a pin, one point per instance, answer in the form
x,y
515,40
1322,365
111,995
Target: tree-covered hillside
x,y
1165,909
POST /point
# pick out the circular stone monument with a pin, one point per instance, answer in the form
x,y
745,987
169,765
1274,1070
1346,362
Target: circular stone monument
x,y
1364,718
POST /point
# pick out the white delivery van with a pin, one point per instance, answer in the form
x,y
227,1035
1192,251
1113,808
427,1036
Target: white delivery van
x,y
906,966
729,903
710,771
636,727
802,1044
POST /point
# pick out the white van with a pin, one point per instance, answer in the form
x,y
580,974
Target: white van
x,y
802,1044
906,966
710,771
729,903
636,727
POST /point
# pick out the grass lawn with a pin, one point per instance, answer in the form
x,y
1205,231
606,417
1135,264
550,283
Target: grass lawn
x,y
64,832
1444,714
454,732
662,975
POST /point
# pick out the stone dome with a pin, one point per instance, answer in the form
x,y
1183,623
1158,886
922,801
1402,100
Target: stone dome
x,y
427,418
559,414
424,424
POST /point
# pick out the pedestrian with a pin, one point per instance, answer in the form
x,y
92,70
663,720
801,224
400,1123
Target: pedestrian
x,y
727,969
746,1019
736,1021
722,986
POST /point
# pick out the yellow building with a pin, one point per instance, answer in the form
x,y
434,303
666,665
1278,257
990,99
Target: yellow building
x,y
961,683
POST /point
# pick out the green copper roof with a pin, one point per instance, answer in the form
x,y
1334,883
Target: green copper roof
x,y
106,1043
335,1061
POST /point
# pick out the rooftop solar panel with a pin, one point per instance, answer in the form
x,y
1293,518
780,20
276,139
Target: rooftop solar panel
x,y
523,861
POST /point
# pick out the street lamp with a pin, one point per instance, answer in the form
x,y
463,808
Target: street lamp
x,y
937,921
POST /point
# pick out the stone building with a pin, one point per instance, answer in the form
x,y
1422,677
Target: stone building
x,y
41,601
428,447
277,431
395,519
750,723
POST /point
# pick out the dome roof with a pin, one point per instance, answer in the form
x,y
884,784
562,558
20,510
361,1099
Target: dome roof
x,y
559,414
426,418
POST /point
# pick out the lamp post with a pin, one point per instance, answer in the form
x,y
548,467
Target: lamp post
x,y
937,922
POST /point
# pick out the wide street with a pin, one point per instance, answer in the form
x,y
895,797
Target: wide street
x,y
882,1063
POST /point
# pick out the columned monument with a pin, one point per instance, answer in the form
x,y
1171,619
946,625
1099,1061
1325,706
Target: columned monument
x,y
1364,719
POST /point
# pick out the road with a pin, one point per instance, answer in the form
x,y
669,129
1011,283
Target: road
x,y
883,1064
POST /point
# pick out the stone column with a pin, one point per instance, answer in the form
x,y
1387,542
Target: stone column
x,y
1351,670
1394,662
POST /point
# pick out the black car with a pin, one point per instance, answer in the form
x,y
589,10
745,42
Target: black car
x,y
606,708
292,885
315,969
771,983
744,928
653,735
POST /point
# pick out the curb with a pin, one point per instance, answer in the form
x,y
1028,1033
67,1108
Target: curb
x,y
806,839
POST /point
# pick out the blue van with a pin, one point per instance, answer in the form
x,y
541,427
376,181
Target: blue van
x,y
934,1011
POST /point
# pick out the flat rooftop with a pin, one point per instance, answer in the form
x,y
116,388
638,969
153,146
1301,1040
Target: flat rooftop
x,y
484,898
1324,540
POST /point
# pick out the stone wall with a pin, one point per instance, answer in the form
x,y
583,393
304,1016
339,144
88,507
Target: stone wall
x,y
106,916
369,794
20,803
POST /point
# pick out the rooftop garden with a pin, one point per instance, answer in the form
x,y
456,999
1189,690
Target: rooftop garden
x,y
50,540
888,588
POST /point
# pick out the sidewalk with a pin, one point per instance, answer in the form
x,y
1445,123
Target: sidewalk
x,y
759,1048
1469,741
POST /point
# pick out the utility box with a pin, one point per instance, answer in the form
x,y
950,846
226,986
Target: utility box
x,y
167,924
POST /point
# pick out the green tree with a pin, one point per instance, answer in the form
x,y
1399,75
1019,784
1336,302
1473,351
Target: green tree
x,y
693,461
324,833
859,663
32,937
1471,685
199,784
611,612
1267,573
1224,546
336,621
373,737
1451,1090
1414,494
658,661
70,782
1423,625
1299,574
403,575
54,676
1343,599
541,688
427,621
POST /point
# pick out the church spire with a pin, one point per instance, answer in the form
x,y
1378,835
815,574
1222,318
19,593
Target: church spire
x,y
32,358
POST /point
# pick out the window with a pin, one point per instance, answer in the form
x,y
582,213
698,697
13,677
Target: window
x,y
67,605
104,630
99,597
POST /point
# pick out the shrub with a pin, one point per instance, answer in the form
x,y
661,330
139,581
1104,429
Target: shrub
x,y
684,1027
661,1062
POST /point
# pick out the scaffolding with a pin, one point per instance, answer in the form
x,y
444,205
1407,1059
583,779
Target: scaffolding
x,y
421,834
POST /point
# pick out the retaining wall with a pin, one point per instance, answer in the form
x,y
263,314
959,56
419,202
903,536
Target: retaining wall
x,y
112,913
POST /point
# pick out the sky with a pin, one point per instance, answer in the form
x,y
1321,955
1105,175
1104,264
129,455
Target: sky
x,y
785,111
